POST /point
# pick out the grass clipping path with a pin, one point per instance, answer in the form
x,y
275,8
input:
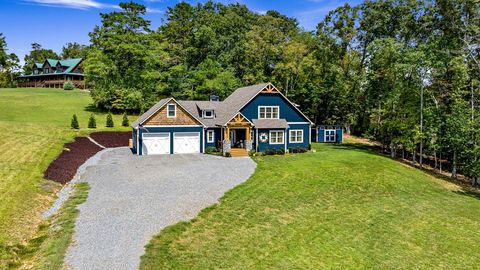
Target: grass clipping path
x,y
47,250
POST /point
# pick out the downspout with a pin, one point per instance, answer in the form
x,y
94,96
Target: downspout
x,y
256,142
310,134
285,141
138,141
203,140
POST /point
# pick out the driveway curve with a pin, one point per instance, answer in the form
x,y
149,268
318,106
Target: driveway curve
x,y
132,198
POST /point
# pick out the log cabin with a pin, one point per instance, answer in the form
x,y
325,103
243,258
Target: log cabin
x,y
54,73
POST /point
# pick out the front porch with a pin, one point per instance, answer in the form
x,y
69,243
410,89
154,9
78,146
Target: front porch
x,y
237,134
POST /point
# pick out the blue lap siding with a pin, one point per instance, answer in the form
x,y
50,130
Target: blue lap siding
x,y
264,146
306,135
217,137
287,111
171,130
338,133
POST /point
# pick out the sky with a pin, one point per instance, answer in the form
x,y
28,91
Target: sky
x,y
53,23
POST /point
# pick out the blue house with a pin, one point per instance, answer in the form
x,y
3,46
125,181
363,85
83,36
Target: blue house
x,y
329,134
255,117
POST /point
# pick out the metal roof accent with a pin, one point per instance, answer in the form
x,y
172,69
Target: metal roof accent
x,y
270,123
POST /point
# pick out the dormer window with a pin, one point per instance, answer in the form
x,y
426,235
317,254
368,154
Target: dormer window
x,y
208,114
171,110
47,70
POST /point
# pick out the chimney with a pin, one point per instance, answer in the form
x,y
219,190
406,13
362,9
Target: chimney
x,y
214,98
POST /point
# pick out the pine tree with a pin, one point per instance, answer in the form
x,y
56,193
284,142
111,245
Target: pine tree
x,y
74,124
125,120
109,120
92,123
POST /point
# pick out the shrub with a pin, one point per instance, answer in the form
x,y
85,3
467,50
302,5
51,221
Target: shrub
x,y
302,150
280,152
92,123
68,85
309,147
227,154
74,124
252,153
109,120
270,152
125,120
210,150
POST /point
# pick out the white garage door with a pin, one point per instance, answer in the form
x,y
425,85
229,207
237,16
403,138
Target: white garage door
x,y
156,143
186,142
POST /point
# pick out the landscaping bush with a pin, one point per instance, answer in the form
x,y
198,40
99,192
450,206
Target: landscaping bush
x,y
109,120
309,147
74,124
270,152
227,154
302,150
280,152
92,123
68,85
210,150
252,153
125,120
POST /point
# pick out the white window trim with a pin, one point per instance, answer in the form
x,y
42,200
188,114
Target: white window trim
x,y
290,135
208,136
208,117
264,106
168,110
276,131
325,135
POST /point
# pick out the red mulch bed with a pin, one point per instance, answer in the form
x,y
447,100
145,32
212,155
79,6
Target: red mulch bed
x,y
74,154
112,139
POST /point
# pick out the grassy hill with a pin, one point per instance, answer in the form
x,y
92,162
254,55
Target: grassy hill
x,y
34,124
340,207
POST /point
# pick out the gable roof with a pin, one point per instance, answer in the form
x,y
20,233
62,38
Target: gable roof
x,y
70,65
159,105
224,110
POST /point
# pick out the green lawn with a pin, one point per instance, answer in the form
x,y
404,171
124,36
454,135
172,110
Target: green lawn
x,y
34,124
340,207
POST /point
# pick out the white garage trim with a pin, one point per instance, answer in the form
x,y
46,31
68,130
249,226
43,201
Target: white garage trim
x,y
197,146
152,135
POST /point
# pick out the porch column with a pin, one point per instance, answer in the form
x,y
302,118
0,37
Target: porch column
x,y
248,139
226,146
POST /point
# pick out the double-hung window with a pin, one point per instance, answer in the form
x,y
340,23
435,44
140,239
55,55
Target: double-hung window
x,y
296,136
276,137
210,136
329,135
171,110
268,112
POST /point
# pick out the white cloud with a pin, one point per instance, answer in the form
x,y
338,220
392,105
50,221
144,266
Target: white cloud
x,y
153,10
78,4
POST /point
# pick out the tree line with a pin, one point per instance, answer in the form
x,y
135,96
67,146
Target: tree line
x,y
403,72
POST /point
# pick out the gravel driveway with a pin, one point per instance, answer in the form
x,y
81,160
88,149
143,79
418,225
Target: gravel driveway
x,y
132,198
